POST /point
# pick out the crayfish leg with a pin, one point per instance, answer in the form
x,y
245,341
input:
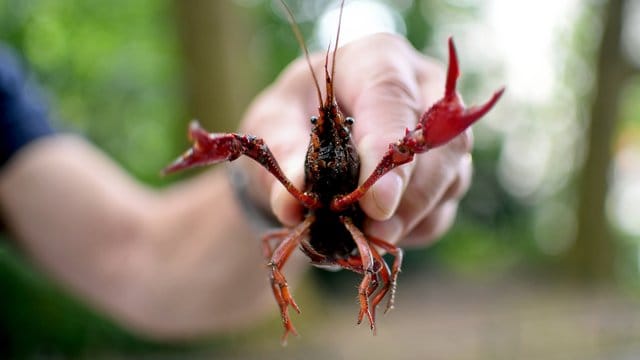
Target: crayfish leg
x,y
375,269
278,235
384,279
277,259
367,286
363,296
392,282
212,148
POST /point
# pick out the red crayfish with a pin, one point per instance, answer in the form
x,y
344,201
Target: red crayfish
x,y
329,234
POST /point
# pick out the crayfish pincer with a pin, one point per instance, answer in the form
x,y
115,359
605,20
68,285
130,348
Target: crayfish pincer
x,y
329,232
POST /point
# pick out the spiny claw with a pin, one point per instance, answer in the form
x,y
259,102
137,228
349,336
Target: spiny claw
x,y
448,117
445,120
197,133
207,149
474,113
453,72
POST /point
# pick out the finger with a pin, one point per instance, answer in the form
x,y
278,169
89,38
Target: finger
x,y
384,97
284,128
462,182
440,176
433,226
441,218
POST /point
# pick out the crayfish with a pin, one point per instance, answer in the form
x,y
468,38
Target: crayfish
x,y
330,231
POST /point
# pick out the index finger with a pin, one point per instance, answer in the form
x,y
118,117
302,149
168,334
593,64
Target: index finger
x,y
386,94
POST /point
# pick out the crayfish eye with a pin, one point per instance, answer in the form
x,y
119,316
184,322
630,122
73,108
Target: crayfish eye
x,y
349,120
314,120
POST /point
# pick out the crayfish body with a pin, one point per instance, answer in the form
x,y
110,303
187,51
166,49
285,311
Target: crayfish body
x,y
329,234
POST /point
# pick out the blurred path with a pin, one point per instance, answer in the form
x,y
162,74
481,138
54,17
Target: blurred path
x,y
445,317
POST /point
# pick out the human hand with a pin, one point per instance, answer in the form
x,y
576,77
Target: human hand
x,y
385,85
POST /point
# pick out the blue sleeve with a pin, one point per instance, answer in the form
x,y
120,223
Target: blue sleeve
x,y
24,114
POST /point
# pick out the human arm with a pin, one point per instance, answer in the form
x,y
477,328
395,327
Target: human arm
x,y
169,264
174,263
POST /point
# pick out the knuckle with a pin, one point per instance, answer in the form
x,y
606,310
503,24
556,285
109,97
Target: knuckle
x,y
461,181
394,84
431,227
456,189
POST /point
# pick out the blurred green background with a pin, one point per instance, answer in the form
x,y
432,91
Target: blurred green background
x,y
552,219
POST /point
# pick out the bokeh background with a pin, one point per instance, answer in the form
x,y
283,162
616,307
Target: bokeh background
x,y
544,259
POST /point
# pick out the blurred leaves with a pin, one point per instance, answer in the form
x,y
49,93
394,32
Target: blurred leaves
x,y
111,69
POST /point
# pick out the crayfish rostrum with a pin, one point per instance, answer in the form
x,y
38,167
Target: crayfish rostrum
x,y
330,232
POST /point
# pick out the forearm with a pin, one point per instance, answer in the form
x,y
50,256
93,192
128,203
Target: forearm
x,y
170,264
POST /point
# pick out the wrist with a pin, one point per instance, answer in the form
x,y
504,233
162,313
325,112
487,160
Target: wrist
x,y
259,217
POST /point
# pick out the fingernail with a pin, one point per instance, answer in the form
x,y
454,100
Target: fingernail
x,y
388,230
386,194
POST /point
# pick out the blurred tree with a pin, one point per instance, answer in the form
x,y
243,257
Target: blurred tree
x,y
219,75
592,255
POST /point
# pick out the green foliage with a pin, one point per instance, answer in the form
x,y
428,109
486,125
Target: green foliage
x,y
110,69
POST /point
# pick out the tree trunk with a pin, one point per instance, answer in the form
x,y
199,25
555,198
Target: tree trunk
x,y
219,78
593,252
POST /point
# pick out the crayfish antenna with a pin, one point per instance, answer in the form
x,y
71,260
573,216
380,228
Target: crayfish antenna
x,y
335,48
300,39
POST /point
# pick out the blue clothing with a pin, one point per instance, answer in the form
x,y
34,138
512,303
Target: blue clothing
x,y
24,114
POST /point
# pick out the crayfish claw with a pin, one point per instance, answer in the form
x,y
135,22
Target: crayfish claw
x,y
453,71
449,117
197,133
207,149
474,113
